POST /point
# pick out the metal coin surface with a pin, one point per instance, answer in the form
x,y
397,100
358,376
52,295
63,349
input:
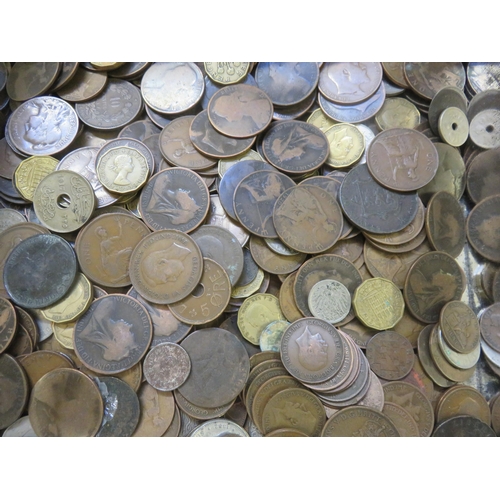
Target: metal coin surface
x,y
490,326
374,398
219,428
43,126
39,363
404,422
240,111
483,179
9,160
140,130
397,113
172,87
227,73
329,300
8,324
462,400
119,104
39,271
104,247
128,143
30,79
175,198
113,335
463,426
446,98
295,147
459,326
433,280
219,367
20,428
270,338
85,85
68,72
218,217
66,403
31,172
395,72
198,412
272,262
483,76
167,366
453,126
14,390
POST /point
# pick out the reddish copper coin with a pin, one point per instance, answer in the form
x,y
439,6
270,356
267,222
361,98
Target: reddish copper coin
x,y
483,228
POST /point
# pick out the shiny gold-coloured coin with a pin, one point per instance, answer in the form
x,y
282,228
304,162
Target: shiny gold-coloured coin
x,y
242,292
319,119
453,126
378,303
397,113
226,73
106,66
30,172
63,332
346,143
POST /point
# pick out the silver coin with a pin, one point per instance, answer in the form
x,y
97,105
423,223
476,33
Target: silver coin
x,y
219,427
329,300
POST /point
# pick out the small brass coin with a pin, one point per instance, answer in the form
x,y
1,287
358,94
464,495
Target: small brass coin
x,y
346,145
31,172
453,126
226,73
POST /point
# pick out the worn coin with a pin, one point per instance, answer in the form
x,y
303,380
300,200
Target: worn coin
x,y
272,262
8,324
463,426
9,160
329,300
14,390
30,79
397,113
462,400
490,326
219,428
31,172
428,78
227,73
446,98
167,366
404,422
459,326
39,363
482,175
85,85
453,126
270,338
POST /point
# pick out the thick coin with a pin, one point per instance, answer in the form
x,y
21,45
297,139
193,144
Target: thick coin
x,y
113,335
13,389
8,324
329,300
463,426
404,422
167,366
459,326
374,398
30,79
66,403
490,326
85,85
433,280
198,412
428,78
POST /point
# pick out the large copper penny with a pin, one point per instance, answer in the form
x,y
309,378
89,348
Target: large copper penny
x,y
433,280
404,422
219,367
113,335
175,198
30,79
459,326
483,228
482,175
14,390
8,324
85,85
198,412
463,426
39,363
490,326
66,403
104,247
462,400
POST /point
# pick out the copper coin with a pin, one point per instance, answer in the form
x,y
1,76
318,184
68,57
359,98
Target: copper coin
x,y
270,261
302,210
176,198
30,79
463,426
409,327
258,382
254,200
459,326
390,355
39,363
68,72
482,228
240,110
395,72
9,160
209,141
433,280
104,247
462,400
198,412
14,390
8,324
67,403
25,319
482,175
287,300
113,335
295,147
402,159
374,398
167,366
490,326
404,422
217,216
219,367
445,224
85,85
374,208
495,414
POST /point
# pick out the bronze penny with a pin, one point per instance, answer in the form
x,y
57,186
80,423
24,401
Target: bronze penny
x,y
66,403
30,79
176,198
374,398
418,241
175,427
302,210
372,207
85,85
359,422
8,324
495,414
351,249
433,280
177,148
240,110
254,200
104,247
488,276
113,335
140,130
463,426
14,390
445,224
482,175
68,71
208,300
395,72
199,412
208,141
9,160
490,326
358,332
167,366
459,326
447,97
39,363
287,300
219,367
28,323
482,228
462,400
295,147
217,216
404,422
272,262
390,355
231,325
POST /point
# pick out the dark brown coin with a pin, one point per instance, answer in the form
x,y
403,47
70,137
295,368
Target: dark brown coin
x,y
212,143
404,422
113,335
199,412
395,72
104,247
39,271
22,343
428,78
272,262
433,280
463,400
445,224
9,160
176,198
39,363
30,79
304,210
490,326
167,366
295,147
14,390
254,200
240,110
219,367
140,130
463,426
374,208
483,179
28,323
8,324
459,326
66,403
483,226
85,85
68,71
121,408
390,355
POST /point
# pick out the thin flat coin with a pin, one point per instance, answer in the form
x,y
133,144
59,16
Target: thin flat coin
x,y
329,300
30,79
482,175
20,428
463,426
128,143
395,72
199,412
219,428
167,366
39,363
490,326
68,72
374,398
217,216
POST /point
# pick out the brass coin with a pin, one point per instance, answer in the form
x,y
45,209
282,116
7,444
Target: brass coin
x,y
329,300
404,422
346,143
8,324
462,400
167,366
490,326
482,175
397,113
463,426
446,98
484,129
453,126
113,335
320,120
359,422
85,85
31,172
244,291
272,262
226,73
433,280
63,332
30,79
445,224
14,390
459,326
130,144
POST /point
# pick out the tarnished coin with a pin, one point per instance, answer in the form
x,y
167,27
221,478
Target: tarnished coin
x,y
463,426
445,224
483,76
175,198
359,422
453,126
404,422
494,404
31,172
8,324
390,355
172,87
199,412
113,335
167,366
116,106
447,97
295,147
20,428
39,363
30,79
374,398
395,72
85,85
428,78
9,160
39,271
43,126
482,228
482,175
459,326
271,261
66,403
219,367
219,428
240,110
490,326
227,73
329,300
462,400
270,338
287,300
13,389
433,280
397,113
217,216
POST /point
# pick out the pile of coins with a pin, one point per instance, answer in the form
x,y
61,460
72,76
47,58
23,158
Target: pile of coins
x,y
249,249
